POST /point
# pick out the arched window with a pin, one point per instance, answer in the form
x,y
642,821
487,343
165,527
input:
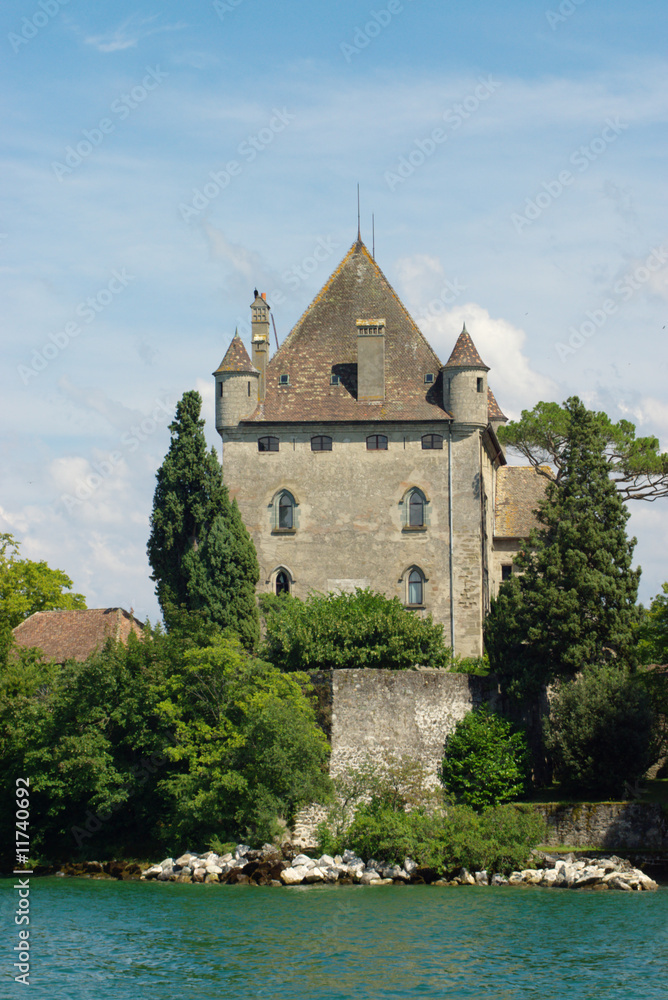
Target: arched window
x,y
321,442
376,442
415,588
286,512
430,441
267,444
416,510
282,585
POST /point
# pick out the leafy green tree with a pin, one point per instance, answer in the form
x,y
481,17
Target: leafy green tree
x,y
653,630
601,733
363,629
202,557
89,737
27,587
248,751
574,600
636,466
486,760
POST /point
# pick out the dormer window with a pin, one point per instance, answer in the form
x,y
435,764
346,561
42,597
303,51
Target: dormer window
x,y
429,378
334,379
284,379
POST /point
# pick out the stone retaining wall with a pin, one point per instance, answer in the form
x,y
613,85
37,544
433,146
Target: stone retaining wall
x,y
607,825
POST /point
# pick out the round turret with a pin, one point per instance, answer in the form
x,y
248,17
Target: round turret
x,y
236,386
465,383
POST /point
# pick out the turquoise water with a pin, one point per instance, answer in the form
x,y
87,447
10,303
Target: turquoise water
x,y
163,941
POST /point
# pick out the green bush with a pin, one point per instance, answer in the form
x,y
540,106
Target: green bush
x,y
363,629
486,760
499,839
601,733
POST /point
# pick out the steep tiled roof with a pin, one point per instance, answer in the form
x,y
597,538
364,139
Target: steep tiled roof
x,y
236,358
65,635
324,343
464,353
519,489
494,411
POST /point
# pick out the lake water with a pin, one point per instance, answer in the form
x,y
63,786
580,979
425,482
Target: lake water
x,y
103,940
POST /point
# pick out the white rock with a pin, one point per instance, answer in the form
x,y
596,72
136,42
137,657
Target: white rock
x,y
481,878
214,869
380,881
410,865
326,861
301,859
314,875
167,863
293,876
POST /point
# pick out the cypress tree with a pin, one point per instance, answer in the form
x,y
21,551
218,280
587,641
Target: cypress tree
x,y
573,602
202,557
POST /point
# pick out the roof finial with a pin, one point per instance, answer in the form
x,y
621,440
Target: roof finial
x,y
359,236
464,330
373,236
236,331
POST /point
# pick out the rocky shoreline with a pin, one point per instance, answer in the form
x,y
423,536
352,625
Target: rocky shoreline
x,y
270,866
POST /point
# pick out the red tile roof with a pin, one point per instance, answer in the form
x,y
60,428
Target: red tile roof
x,y
236,358
519,489
494,411
324,343
464,354
74,635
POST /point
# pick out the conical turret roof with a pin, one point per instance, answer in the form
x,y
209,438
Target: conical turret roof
x,y
465,354
236,358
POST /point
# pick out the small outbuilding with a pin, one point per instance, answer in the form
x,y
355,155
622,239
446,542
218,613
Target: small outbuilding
x,y
74,635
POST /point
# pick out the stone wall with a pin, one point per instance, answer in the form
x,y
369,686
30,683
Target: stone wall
x,y
380,712
377,713
607,825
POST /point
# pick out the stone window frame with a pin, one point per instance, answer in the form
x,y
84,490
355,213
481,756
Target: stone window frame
x,y
322,438
408,583
285,572
377,446
275,507
270,440
405,504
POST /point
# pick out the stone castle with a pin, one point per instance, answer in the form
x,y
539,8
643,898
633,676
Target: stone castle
x,y
357,459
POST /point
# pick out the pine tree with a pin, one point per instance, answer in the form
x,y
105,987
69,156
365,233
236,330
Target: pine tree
x,y
573,601
202,557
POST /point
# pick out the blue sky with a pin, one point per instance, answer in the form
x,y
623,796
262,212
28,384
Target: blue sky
x,y
160,161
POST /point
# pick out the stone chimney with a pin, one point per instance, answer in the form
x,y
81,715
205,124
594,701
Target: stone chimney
x,y
370,360
260,339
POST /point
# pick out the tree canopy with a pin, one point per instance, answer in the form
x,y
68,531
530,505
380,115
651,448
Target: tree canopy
x,y
636,466
159,744
573,601
27,587
363,629
201,555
